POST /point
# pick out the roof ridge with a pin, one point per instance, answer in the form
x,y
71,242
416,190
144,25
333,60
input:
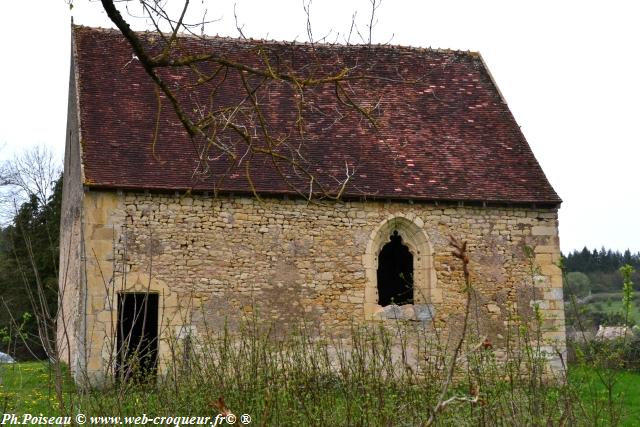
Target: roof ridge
x,y
250,40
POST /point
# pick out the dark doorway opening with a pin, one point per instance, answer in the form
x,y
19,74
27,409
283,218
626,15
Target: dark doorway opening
x,y
137,336
395,273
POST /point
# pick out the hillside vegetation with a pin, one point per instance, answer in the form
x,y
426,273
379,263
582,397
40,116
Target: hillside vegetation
x,y
29,243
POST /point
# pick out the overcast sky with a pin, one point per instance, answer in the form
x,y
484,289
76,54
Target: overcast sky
x,y
568,70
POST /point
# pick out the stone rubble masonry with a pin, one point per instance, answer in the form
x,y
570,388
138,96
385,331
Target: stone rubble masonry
x,y
217,260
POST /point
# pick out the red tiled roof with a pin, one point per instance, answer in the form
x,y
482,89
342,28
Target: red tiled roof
x,y
443,131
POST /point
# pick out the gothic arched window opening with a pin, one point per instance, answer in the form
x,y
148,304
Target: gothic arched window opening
x,y
395,273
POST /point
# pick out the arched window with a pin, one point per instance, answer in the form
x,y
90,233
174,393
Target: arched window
x,y
395,273
399,267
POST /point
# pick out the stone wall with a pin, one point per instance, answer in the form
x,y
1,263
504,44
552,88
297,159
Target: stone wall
x,y
70,322
218,259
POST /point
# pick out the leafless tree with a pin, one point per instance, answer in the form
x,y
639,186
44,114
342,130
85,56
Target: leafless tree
x,y
31,173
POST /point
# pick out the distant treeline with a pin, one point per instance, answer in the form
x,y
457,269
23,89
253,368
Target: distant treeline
x,y
601,267
29,245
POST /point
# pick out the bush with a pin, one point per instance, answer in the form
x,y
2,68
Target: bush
x,y
577,284
618,353
631,353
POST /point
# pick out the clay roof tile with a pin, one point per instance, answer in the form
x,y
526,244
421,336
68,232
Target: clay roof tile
x,y
443,131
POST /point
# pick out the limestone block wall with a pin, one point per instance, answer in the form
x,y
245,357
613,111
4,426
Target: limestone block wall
x,y
215,260
70,321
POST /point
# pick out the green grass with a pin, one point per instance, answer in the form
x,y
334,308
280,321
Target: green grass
x,y
27,387
611,302
593,392
616,307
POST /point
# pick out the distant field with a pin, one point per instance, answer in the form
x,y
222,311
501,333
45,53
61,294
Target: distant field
x,y
611,302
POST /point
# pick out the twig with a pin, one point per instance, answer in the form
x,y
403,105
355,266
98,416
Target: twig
x,y
460,252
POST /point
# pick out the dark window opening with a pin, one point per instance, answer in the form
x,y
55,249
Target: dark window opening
x,y
395,273
137,336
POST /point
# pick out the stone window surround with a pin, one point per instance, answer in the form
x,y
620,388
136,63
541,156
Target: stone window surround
x,y
425,291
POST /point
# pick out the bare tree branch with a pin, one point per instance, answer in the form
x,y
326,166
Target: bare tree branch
x,y
29,174
208,123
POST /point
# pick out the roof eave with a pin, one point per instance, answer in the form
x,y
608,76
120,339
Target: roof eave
x,y
555,203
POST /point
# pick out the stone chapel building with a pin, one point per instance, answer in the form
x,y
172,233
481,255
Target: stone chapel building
x,y
446,158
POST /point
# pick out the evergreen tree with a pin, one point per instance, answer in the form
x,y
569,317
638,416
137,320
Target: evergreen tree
x,y
28,256
602,267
